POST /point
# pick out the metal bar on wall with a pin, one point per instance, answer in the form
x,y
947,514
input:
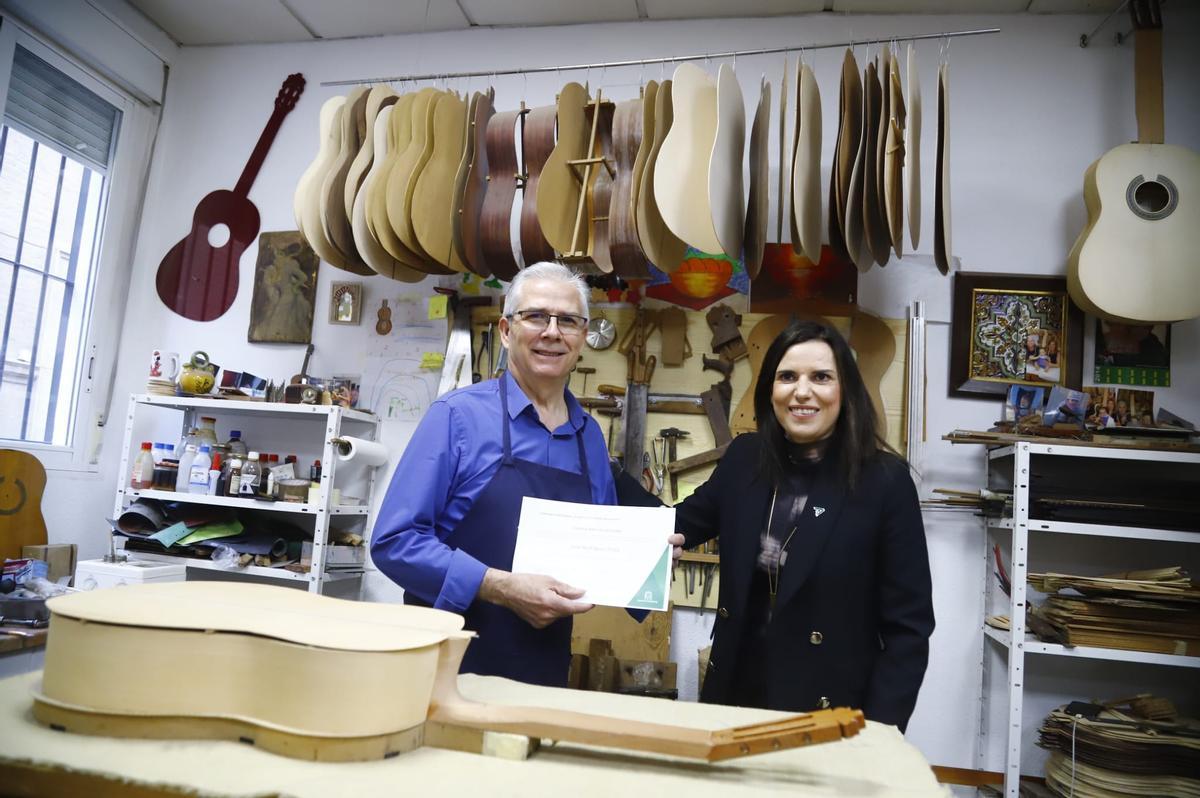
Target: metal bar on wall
x,y
664,60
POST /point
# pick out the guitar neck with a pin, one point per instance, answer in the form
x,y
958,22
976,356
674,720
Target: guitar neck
x,y
1148,85
259,155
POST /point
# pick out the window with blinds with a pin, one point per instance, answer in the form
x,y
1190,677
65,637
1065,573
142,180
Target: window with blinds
x,y
56,145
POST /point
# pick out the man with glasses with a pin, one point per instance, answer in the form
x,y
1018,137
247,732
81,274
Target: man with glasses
x,y
448,525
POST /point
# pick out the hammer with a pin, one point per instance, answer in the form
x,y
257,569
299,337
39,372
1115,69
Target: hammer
x,y
672,436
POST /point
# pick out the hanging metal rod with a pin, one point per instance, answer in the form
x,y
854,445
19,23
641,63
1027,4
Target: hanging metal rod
x,y
1086,38
667,60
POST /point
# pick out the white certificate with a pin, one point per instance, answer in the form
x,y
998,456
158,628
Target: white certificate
x,y
619,555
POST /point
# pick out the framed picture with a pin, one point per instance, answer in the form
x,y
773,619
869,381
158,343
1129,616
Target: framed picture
x,y
1008,328
345,303
285,289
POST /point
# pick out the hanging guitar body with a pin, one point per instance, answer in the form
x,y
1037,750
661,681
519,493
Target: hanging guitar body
x,y
495,218
1135,261
197,280
537,144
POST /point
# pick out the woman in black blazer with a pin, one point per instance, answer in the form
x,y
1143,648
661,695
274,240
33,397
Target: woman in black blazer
x,y
825,595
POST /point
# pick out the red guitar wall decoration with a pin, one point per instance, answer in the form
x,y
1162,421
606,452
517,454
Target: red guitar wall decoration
x,y
196,279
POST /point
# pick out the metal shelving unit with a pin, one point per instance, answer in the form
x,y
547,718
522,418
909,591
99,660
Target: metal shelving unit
x,y
329,421
1019,456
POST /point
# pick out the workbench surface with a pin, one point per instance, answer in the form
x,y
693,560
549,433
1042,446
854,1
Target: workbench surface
x,y
877,762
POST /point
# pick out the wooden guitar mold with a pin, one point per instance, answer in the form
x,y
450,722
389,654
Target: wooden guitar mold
x,y
664,249
299,198
312,181
495,218
112,654
681,171
402,182
196,279
433,201
332,196
378,98
537,144
726,181
912,150
806,187
758,208
629,148
561,184
371,250
1142,209
399,137
468,219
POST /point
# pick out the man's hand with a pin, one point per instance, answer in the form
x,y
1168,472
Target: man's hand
x,y
676,542
538,600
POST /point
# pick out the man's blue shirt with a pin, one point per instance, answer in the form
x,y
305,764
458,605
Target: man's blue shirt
x,y
453,455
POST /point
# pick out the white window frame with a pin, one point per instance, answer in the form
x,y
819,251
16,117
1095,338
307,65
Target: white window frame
x,y
115,237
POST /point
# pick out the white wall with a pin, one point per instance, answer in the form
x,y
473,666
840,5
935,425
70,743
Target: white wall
x,y
1030,111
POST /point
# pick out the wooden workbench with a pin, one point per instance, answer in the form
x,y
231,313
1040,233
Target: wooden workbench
x,y
38,761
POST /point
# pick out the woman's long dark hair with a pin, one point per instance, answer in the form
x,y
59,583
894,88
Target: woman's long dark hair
x,y
855,441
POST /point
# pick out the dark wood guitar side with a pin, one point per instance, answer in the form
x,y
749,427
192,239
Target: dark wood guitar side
x,y
197,280
624,246
599,191
474,187
538,144
495,218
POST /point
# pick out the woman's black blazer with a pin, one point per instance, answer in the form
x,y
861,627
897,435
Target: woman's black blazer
x,y
854,609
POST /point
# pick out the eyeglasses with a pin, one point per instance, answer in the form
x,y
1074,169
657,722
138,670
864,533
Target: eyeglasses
x,y
568,323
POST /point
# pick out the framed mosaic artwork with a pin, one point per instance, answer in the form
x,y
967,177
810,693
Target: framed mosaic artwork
x,y
1008,328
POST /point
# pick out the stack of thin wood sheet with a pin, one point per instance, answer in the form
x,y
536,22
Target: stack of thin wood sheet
x,y
1156,611
1102,751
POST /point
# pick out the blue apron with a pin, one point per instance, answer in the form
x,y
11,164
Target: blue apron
x,y
507,645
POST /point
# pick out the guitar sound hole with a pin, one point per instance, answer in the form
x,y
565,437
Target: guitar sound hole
x,y
218,235
1151,197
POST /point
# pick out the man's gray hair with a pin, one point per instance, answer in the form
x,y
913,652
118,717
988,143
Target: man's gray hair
x,y
545,270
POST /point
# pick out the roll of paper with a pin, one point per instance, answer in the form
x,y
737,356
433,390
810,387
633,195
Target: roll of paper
x,y
362,451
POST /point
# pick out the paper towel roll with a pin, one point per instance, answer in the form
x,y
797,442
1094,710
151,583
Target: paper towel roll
x,y
362,451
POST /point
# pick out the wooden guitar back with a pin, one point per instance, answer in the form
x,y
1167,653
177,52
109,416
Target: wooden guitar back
x,y
845,151
22,482
664,249
726,181
560,187
893,162
806,186
372,251
399,137
874,224
310,202
941,177
537,144
912,150
645,145
378,98
334,220
495,218
758,209
681,171
594,224
433,201
624,248
468,219
402,180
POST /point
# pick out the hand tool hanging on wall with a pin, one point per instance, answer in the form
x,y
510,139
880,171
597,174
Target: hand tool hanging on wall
x,y
727,338
197,279
718,399
639,372
672,435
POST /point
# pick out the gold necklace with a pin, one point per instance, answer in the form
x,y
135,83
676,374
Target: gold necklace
x,y
773,575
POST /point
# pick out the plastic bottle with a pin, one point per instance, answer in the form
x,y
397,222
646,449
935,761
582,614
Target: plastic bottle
x,y
314,473
189,439
235,477
157,452
251,477
142,476
272,461
183,480
236,447
201,465
214,475
207,431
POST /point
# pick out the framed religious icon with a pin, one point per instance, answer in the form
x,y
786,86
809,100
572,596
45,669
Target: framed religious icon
x,y
345,303
1008,328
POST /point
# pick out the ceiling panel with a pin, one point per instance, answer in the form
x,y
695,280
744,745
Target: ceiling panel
x,y
930,6
224,21
348,18
1072,6
548,12
698,9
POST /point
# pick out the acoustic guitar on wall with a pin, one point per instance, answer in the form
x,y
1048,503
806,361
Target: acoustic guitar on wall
x,y
1136,258
197,279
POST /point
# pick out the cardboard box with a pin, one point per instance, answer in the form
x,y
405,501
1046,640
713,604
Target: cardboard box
x,y
59,556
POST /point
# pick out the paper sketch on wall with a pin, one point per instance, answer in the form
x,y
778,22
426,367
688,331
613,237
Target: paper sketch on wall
x,y
285,286
398,384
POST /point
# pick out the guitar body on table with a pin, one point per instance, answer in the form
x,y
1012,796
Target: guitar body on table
x,y
1135,261
196,279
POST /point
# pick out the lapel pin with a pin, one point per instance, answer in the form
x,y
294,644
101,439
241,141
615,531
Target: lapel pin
x,y
817,511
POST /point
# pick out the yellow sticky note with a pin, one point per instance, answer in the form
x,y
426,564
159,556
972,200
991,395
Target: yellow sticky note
x,y
438,306
432,360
